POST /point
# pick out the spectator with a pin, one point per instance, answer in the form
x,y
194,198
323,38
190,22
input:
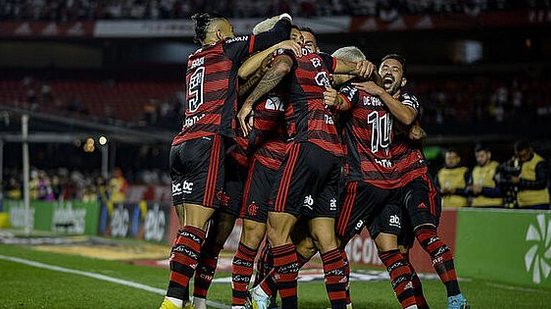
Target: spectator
x,y
533,179
482,184
117,186
452,180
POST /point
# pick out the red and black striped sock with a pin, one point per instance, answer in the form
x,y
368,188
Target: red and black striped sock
x,y
400,276
286,267
206,269
269,285
336,279
419,296
183,261
347,272
264,264
242,270
441,256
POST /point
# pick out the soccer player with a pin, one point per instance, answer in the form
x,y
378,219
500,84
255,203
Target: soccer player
x,y
482,185
198,151
266,146
418,193
372,186
306,187
236,164
452,179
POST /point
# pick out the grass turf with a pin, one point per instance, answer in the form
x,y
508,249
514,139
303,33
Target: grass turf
x,y
23,286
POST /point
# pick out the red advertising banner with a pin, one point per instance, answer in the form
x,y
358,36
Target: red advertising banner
x,y
44,29
456,22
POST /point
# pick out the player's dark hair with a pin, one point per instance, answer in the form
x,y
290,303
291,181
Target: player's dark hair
x,y
307,29
522,145
295,27
398,58
202,22
481,147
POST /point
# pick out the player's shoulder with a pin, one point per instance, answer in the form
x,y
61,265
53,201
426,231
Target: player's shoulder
x,y
409,99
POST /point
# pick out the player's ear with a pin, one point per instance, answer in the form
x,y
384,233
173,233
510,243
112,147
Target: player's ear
x,y
403,82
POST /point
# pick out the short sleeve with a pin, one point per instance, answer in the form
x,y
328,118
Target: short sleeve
x,y
411,101
350,94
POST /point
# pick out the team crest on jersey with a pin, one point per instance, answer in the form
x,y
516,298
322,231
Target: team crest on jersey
x,y
274,104
322,79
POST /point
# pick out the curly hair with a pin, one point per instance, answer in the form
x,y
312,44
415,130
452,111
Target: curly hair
x,y
202,23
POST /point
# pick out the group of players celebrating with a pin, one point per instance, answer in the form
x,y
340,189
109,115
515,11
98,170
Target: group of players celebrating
x,y
307,149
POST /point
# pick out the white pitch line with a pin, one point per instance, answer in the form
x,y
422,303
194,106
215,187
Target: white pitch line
x,y
514,288
99,277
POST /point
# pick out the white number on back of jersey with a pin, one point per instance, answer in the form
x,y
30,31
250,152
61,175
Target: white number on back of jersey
x,y
381,128
195,90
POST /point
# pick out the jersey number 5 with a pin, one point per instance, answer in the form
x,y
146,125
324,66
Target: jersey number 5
x,y
195,90
381,128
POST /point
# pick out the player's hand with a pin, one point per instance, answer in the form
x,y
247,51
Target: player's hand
x,y
330,97
515,179
369,87
292,45
477,189
416,132
243,116
365,68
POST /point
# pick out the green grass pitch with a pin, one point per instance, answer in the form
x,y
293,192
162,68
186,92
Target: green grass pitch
x,y
24,286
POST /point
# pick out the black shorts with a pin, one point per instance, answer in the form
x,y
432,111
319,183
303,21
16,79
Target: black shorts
x,y
361,203
418,203
307,183
421,205
233,186
197,171
258,186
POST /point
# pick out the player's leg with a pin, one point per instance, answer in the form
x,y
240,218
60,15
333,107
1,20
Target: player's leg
x,y
254,212
219,230
201,164
292,187
385,230
322,229
422,203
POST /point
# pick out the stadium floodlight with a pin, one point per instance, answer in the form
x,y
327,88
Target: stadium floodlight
x,y
102,140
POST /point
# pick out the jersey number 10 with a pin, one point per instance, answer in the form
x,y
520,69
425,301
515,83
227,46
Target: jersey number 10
x,y
381,130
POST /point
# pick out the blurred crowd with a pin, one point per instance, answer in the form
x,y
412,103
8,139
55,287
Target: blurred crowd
x,y
70,10
485,100
64,184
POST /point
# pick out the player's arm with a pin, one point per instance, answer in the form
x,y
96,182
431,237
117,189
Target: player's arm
x,y
342,100
405,113
254,62
253,80
281,66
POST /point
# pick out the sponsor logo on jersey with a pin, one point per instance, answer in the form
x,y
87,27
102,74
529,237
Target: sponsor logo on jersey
x,y
322,79
190,121
184,187
274,104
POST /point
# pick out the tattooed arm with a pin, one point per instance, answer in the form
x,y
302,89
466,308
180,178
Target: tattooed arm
x,y
281,66
254,79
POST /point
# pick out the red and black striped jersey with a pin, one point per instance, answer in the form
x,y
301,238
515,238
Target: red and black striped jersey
x,y
407,155
368,136
211,82
309,120
267,141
